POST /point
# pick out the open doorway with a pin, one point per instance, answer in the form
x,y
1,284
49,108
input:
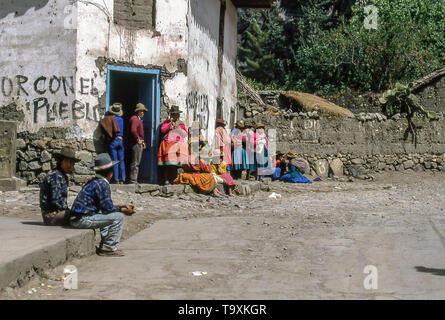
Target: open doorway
x,y
130,86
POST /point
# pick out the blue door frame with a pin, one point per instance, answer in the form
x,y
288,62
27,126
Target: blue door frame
x,y
150,96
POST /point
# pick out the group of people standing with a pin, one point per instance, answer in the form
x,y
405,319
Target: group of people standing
x,y
113,126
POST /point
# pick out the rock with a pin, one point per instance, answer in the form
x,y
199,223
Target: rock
x,y
399,167
188,189
155,193
21,155
46,166
427,164
336,167
81,170
34,165
45,156
321,168
434,165
357,161
381,166
23,165
39,144
89,145
173,189
146,188
20,143
418,168
41,176
75,189
79,179
85,156
31,155
408,164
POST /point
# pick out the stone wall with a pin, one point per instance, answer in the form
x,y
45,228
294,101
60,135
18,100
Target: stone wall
x,y
35,155
367,143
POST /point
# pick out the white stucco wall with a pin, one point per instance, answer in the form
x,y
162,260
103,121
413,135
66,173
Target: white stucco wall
x,y
205,85
43,46
98,37
37,56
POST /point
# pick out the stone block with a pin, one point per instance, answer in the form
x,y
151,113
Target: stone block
x,y
34,165
45,156
321,168
46,166
31,155
146,188
85,156
173,189
408,164
20,144
130,188
12,184
8,136
336,167
81,170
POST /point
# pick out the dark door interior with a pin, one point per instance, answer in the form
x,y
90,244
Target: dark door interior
x,y
130,88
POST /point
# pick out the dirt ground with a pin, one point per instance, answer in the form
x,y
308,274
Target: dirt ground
x,y
309,227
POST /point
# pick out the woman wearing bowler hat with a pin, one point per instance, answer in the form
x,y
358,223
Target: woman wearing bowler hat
x,y
173,150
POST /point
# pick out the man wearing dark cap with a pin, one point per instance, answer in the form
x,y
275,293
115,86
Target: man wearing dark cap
x,y
54,189
93,207
137,141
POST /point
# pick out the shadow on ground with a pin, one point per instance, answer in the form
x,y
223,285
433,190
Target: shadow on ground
x,y
436,272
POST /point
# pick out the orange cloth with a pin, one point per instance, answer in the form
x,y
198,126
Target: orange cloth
x,y
172,153
198,175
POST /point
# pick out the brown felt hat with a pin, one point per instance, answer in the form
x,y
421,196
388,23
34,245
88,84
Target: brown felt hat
x,y
291,155
221,121
140,107
259,125
174,110
240,124
67,152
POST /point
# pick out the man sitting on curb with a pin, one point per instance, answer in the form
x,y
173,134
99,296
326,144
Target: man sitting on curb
x,y
54,190
93,207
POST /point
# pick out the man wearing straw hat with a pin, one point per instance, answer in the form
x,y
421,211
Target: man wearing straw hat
x,y
54,189
137,141
93,207
116,146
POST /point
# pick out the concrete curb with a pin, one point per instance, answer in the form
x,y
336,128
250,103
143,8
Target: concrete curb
x,y
29,248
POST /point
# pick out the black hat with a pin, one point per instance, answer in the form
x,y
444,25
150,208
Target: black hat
x,y
67,152
174,110
102,162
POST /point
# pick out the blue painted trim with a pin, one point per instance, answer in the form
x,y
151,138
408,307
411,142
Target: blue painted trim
x,y
107,103
138,70
132,70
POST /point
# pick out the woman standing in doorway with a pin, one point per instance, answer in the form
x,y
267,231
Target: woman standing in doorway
x,y
173,148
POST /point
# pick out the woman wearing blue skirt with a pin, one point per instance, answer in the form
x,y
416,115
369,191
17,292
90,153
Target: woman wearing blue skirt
x,y
239,156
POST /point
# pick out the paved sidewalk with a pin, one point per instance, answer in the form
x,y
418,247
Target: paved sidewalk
x,y
29,247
